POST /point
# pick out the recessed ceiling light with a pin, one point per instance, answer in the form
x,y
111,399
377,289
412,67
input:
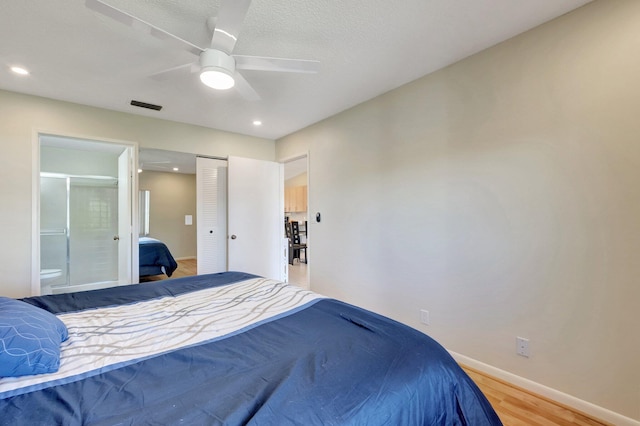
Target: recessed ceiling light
x,y
20,70
139,170
257,123
175,169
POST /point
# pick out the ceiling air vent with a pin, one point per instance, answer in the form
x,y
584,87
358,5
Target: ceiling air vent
x,y
146,105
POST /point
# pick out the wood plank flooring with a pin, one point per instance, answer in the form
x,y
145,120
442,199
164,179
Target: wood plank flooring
x,y
186,268
515,406
519,407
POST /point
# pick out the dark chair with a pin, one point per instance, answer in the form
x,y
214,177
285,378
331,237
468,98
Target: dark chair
x,y
292,232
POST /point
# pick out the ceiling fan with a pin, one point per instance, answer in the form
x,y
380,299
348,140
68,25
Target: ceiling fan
x,y
217,64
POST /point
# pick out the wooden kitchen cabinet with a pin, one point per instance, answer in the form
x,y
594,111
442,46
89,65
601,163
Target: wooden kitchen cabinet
x,y
295,199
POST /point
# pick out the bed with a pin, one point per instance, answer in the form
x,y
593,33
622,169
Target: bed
x,y
155,258
235,349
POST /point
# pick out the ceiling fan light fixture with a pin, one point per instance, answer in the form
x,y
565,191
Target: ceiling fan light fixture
x,y
217,78
20,70
217,69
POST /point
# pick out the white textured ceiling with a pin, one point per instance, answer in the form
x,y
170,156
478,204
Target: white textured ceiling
x,y
365,47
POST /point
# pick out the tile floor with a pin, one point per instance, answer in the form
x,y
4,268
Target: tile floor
x,y
298,274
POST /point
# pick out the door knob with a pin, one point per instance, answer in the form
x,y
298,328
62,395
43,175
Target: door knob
x,y
116,238
233,237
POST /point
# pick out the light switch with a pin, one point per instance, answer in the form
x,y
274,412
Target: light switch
x,y
188,219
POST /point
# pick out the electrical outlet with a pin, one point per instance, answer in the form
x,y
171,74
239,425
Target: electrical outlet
x,y
424,316
522,346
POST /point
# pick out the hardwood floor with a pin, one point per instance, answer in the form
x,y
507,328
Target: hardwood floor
x,y
515,406
186,268
518,407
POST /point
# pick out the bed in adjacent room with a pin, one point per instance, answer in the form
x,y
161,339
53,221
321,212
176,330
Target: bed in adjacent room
x,y
231,349
155,258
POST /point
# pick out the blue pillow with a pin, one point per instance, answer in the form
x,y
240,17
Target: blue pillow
x,y
30,339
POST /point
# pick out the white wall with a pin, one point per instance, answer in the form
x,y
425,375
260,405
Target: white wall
x,y
503,195
23,116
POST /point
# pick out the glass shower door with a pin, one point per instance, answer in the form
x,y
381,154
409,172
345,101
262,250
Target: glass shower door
x,y
79,233
93,229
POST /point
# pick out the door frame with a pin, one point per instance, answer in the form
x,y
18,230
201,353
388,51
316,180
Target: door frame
x,y
132,258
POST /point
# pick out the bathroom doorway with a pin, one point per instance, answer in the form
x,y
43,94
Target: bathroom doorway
x,y
86,201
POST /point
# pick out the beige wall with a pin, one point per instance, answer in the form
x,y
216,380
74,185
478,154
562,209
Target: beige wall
x,y
299,180
172,196
23,116
502,194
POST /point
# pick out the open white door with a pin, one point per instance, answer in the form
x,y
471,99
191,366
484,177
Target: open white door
x,y
256,217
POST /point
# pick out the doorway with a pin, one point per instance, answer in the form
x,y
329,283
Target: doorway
x,y
296,188
239,211
84,220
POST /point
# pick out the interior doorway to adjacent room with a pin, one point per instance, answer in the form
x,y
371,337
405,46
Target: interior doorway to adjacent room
x,y
296,202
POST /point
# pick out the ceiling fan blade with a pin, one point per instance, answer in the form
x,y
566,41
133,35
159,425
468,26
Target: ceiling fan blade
x,y
169,72
244,88
260,63
228,24
133,21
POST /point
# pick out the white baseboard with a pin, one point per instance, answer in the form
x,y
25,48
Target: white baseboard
x,y
585,407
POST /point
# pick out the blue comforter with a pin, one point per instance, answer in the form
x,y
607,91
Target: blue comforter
x,y
154,254
329,363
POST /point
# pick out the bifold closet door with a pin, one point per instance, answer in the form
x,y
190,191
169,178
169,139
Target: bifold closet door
x,y
211,220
